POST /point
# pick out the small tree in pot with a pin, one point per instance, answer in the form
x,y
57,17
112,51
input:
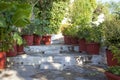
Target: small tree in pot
x,y
112,40
12,15
94,38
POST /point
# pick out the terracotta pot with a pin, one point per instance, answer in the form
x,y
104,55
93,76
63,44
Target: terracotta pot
x,y
93,48
28,39
111,76
12,52
37,39
46,39
82,45
20,49
2,60
67,39
110,60
74,40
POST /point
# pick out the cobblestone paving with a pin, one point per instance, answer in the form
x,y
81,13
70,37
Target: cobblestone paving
x,y
86,72
73,73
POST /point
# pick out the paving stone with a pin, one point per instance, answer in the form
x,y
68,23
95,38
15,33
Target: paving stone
x,y
80,78
73,65
60,78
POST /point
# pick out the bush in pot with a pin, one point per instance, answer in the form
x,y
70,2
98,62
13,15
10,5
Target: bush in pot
x,y
65,28
73,34
37,32
94,38
113,73
81,15
82,35
112,40
11,16
27,34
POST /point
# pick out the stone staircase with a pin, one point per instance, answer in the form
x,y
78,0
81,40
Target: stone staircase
x,y
55,56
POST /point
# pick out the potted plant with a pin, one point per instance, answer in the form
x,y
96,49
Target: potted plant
x,y
82,35
27,34
81,16
51,15
94,38
11,16
37,32
113,73
65,28
112,41
73,34
21,45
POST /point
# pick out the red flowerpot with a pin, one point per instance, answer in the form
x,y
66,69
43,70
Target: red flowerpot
x,y
74,40
28,39
12,52
110,60
20,49
92,48
46,39
82,45
2,60
37,39
67,39
111,76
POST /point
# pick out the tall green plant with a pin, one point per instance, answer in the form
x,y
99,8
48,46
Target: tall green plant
x,y
112,38
12,15
51,15
57,14
81,12
81,15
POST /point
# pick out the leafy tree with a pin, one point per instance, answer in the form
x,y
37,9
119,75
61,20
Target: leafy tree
x,y
81,12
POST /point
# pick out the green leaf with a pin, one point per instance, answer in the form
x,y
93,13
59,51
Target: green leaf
x,y
21,17
2,22
18,38
5,6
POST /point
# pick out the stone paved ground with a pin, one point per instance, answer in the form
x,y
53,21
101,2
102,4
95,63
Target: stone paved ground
x,y
76,72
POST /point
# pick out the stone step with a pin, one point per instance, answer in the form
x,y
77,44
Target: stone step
x,y
51,49
53,66
57,38
66,59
